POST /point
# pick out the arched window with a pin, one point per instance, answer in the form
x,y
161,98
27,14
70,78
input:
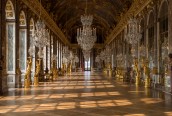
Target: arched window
x,y
10,37
22,19
9,10
22,42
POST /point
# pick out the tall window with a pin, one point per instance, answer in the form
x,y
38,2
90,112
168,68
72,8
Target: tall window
x,y
10,37
87,66
22,42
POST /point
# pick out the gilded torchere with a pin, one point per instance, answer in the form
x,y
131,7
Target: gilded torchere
x,y
109,69
69,69
63,69
27,79
37,73
146,73
136,68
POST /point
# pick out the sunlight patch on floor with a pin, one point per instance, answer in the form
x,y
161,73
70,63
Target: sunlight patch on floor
x,y
135,115
168,113
151,100
5,109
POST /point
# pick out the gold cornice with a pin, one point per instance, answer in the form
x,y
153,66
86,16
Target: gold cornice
x,y
135,9
34,5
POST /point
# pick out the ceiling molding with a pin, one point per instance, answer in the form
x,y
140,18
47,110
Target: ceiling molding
x,y
34,5
135,9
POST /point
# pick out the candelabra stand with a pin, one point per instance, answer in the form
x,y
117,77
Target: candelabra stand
x,y
136,68
37,73
27,79
146,72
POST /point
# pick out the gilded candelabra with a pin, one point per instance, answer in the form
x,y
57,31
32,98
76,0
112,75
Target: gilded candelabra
x,y
37,73
27,78
136,68
146,73
63,68
69,69
109,67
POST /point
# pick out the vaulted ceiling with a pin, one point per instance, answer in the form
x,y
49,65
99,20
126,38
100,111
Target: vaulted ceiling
x,y
106,14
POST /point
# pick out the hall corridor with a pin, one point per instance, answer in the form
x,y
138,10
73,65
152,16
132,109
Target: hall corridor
x,y
85,94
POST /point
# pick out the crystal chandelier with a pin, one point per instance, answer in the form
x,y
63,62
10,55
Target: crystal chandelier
x,y
132,35
106,54
86,20
97,58
67,55
66,52
76,59
41,35
102,55
86,36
